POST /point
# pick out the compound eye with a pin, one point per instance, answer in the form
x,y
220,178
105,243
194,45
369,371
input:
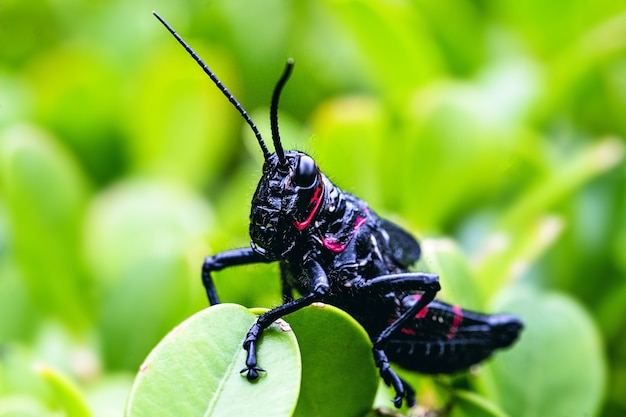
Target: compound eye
x,y
306,172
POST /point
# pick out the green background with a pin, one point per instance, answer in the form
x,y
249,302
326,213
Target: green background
x,y
494,131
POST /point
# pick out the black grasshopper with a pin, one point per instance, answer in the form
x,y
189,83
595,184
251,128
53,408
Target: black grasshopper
x,y
333,248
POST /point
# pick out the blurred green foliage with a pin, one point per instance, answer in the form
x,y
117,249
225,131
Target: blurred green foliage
x,y
499,125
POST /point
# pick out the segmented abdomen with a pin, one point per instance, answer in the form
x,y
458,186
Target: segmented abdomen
x,y
444,338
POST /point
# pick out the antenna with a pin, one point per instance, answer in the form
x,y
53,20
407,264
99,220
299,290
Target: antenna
x,y
222,88
278,147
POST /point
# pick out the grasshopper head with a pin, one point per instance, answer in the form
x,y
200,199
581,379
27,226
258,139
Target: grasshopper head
x,y
285,202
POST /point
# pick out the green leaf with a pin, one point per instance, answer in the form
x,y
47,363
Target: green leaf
x,y
557,367
351,126
566,178
14,298
23,406
470,404
45,192
65,392
570,70
194,371
339,377
140,237
522,234
457,280
75,100
108,394
185,129
17,378
506,256
384,31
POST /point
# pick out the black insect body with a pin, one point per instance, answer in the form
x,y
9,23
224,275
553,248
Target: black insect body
x,y
445,339
333,248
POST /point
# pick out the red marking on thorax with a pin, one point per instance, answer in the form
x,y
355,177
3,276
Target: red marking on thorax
x,y
456,322
317,200
336,246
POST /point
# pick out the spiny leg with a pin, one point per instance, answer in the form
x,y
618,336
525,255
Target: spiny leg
x,y
408,282
223,260
319,289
